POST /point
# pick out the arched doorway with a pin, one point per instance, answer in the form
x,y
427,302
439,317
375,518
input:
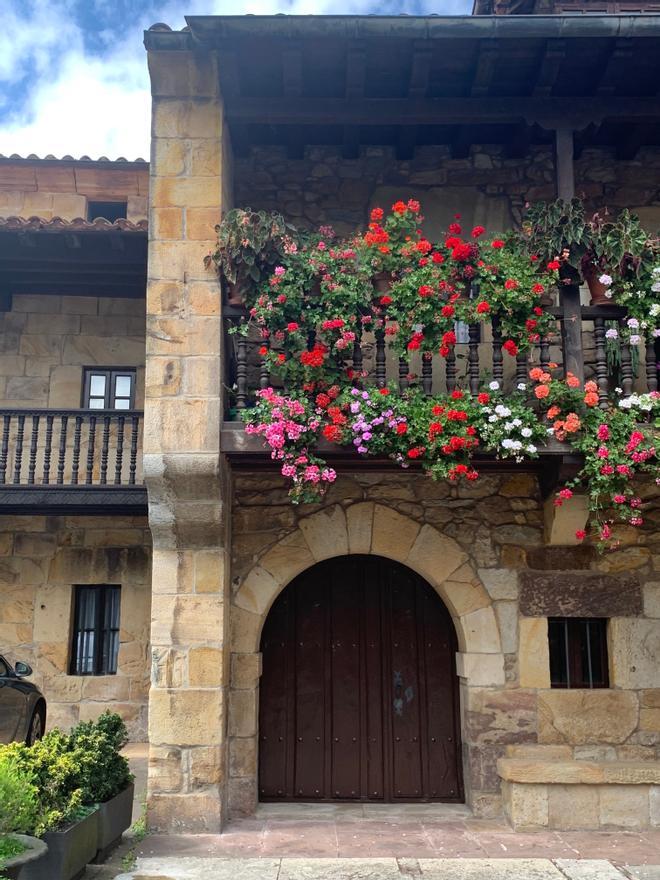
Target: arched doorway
x,y
359,694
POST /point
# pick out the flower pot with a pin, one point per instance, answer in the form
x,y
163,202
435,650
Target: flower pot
x,y
34,849
114,817
382,282
597,289
236,292
69,851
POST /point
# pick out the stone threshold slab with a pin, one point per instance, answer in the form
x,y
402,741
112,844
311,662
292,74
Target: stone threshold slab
x,y
212,868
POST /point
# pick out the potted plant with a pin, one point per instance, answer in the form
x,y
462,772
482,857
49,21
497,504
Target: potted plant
x,y
618,251
18,812
250,244
392,243
106,777
68,827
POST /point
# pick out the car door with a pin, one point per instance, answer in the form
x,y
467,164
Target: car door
x,y
12,703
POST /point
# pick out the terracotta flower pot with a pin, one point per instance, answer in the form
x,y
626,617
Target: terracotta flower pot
x,y
382,282
597,289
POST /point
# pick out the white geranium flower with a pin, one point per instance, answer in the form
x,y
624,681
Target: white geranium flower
x,y
507,443
655,287
635,339
522,386
516,423
605,279
612,333
494,386
531,448
633,323
502,411
526,432
492,419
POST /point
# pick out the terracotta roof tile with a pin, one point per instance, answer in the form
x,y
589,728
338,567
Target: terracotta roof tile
x,y
32,157
57,224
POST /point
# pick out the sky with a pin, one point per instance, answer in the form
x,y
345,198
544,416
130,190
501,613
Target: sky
x,y
73,73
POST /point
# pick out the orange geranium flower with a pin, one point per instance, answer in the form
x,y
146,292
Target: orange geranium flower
x,y
535,373
572,381
591,386
541,391
591,398
553,412
572,423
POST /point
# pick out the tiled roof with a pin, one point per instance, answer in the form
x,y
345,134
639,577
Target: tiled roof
x,y
57,224
14,157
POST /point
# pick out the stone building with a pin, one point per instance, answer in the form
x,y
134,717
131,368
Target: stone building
x,y
395,642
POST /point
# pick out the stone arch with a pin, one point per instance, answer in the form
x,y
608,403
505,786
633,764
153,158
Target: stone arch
x,y
364,527
369,527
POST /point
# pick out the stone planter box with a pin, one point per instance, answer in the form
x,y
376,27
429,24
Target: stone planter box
x,y
69,851
114,817
36,849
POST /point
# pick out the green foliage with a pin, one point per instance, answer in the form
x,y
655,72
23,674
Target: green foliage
x,y
555,227
103,772
70,772
9,848
250,244
18,800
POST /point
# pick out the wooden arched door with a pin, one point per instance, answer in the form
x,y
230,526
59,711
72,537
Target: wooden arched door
x,y
359,695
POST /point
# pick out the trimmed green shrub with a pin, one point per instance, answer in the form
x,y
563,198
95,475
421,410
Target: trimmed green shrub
x,y
104,773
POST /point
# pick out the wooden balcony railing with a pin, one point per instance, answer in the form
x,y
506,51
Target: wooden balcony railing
x,y
478,358
53,456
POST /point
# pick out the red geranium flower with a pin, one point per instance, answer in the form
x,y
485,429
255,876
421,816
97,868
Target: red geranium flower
x,y
478,231
483,307
376,215
497,243
510,347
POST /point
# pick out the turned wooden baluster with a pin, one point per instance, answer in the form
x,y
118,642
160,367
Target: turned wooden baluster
x,y
241,371
404,369
651,366
135,422
381,359
264,373
4,450
62,450
498,357
119,451
91,442
48,448
450,370
474,335
601,361
18,455
626,359
357,357
545,353
105,445
34,442
75,463
521,369
427,373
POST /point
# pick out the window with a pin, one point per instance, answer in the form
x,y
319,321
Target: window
x,y
578,652
95,630
108,210
109,389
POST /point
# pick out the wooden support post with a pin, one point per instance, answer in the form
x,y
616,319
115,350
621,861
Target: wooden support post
x,y
570,282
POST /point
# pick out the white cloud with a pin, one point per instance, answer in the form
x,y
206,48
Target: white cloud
x,y
79,103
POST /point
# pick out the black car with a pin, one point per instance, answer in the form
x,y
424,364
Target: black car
x,y
22,705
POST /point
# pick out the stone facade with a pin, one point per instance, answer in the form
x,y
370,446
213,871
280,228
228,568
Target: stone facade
x,y
188,488
486,187
46,341
481,546
47,189
41,559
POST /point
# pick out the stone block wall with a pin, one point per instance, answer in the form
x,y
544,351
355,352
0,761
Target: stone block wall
x,y
48,189
46,341
188,488
41,559
485,187
509,583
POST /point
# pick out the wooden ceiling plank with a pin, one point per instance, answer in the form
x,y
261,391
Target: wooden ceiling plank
x,y
614,71
484,70
549,68
292,71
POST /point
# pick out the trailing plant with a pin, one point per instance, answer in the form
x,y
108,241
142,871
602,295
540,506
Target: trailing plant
x,y
618,445
250,244
558,229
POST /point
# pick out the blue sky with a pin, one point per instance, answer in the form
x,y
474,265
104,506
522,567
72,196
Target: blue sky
x,y
73,73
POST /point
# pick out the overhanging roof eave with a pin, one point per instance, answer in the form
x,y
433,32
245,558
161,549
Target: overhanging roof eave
x,y
213,30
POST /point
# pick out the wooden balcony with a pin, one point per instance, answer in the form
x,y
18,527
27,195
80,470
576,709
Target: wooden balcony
x,y
74,460
578,345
